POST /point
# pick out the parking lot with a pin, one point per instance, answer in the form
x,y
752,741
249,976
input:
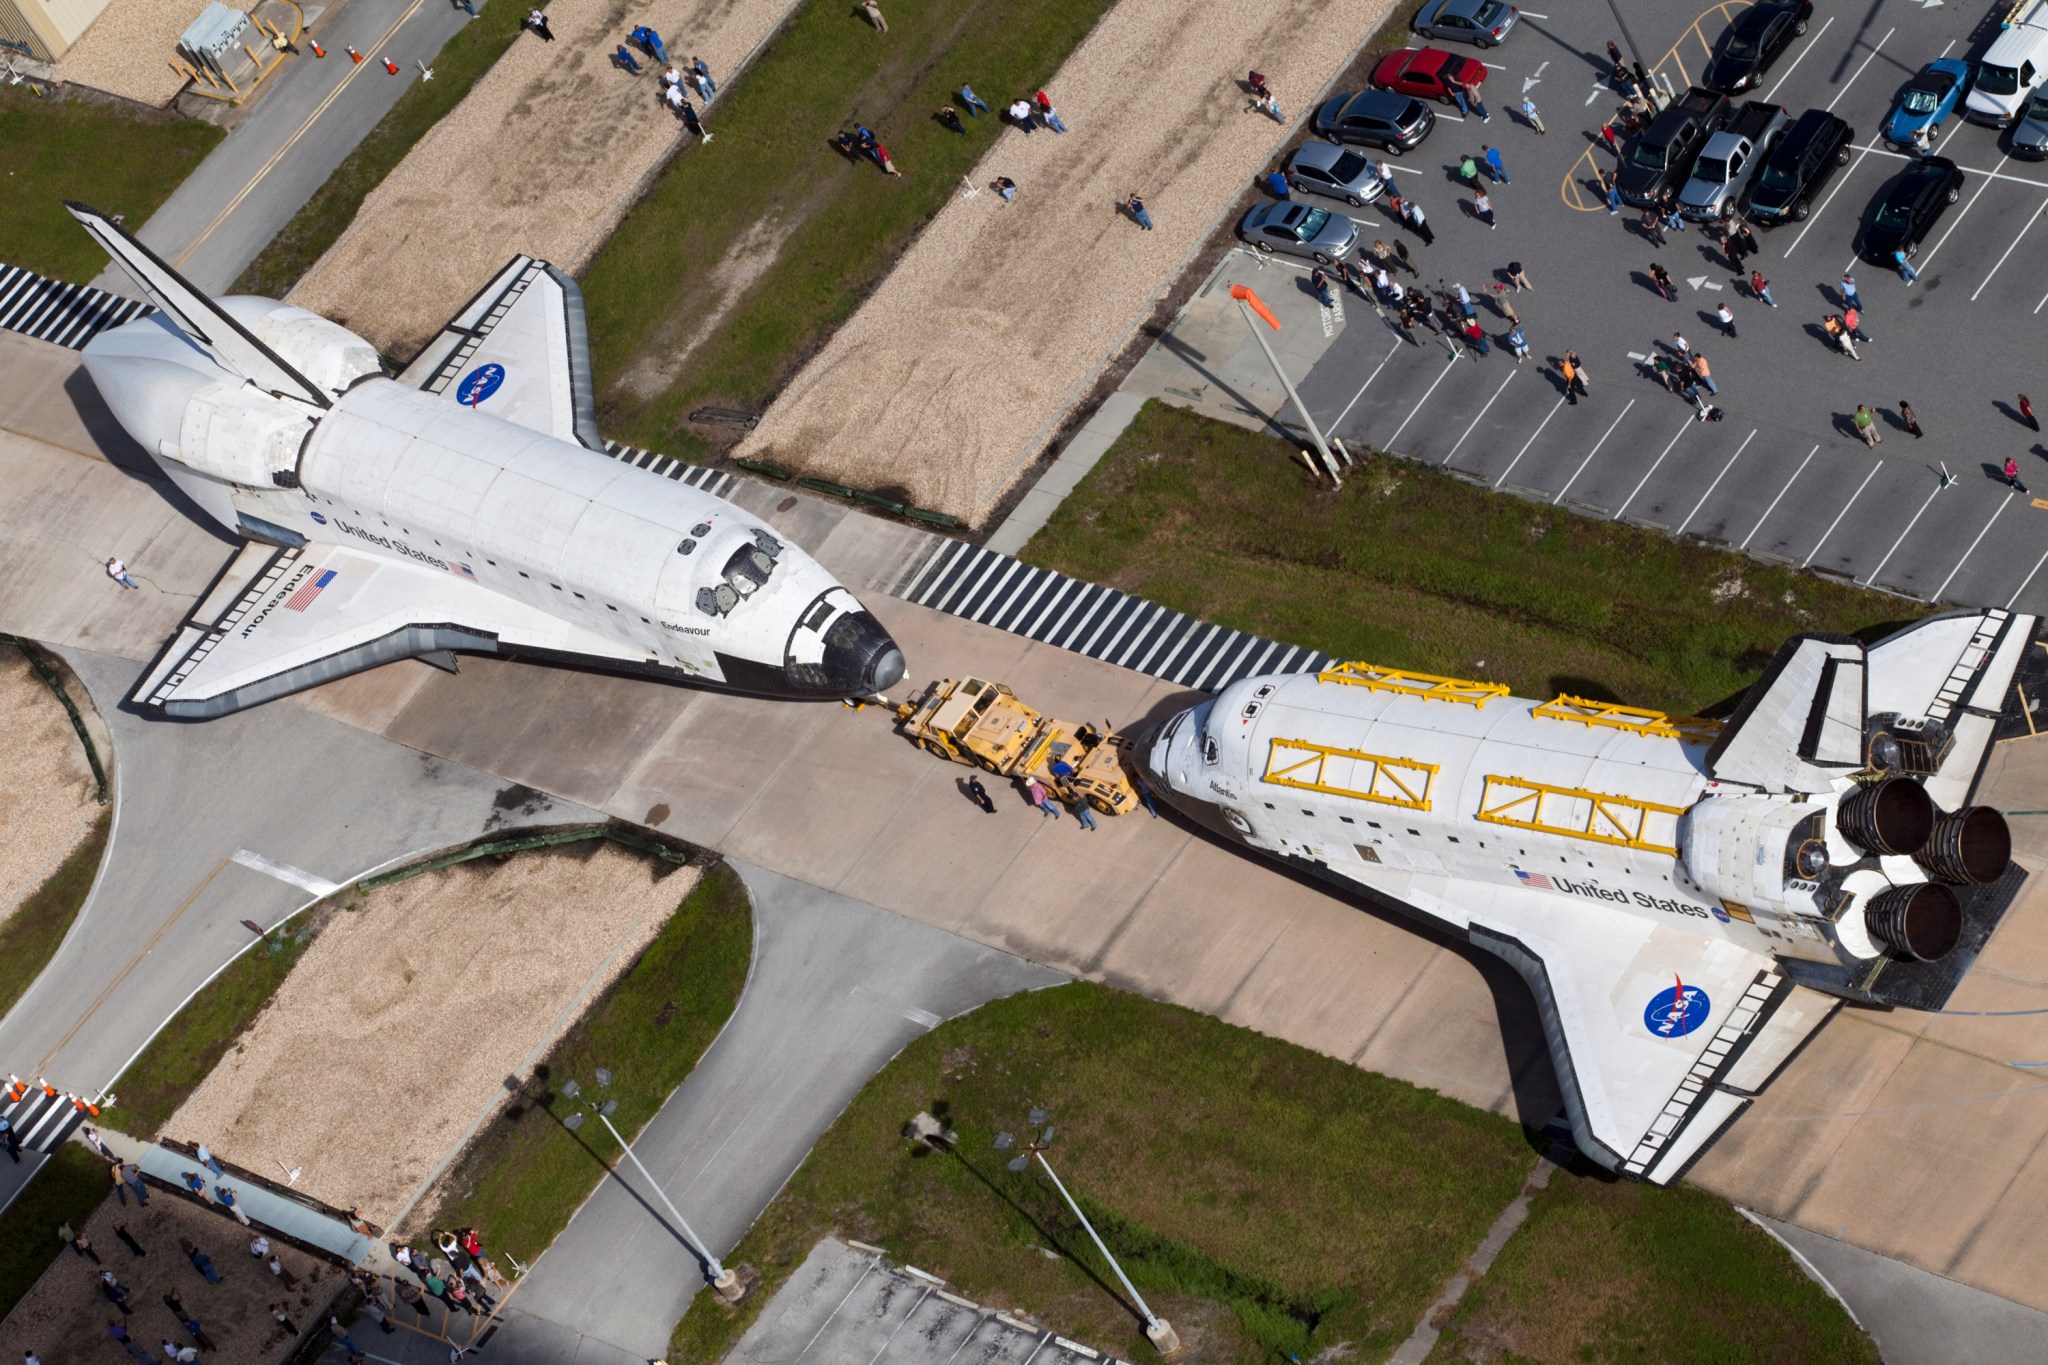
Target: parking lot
x,y
1783,476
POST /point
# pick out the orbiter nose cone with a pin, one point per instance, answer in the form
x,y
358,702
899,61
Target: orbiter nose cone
x,y
860,658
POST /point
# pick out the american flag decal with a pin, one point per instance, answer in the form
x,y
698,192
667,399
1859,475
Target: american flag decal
x,y
1535,879
456,566
303,598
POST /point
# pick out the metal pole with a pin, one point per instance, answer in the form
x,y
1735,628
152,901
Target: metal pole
x,y
1329,460
1150,1320
1642,72
718,1272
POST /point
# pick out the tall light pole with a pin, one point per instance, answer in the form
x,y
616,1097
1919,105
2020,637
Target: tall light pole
x,y
1648,87
1249,303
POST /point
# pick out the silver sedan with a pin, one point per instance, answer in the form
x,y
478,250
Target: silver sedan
x,y
1485,23
1297,230
1335,173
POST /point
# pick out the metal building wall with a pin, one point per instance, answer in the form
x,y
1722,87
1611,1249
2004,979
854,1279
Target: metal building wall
x,y
46,29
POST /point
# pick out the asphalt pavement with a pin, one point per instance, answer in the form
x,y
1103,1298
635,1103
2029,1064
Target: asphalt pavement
x,y
1782,476
307,119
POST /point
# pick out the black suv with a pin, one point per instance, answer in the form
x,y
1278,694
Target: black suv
x,y
1662,157
1805,160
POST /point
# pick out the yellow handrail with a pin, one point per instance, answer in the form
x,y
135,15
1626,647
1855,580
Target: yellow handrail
x,y
1602,817
1635,719
1403,782
1428,686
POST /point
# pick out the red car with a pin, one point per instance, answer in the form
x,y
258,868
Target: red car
x,y
1427,73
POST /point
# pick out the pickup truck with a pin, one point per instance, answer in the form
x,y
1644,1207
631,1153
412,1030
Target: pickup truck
x,y
1660,158
1729,161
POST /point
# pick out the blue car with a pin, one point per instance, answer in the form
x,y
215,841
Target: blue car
x,y
1926,101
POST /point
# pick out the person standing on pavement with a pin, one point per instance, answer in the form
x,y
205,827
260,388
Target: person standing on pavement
x,y
978,794
1467,95
1910,419
1412,212
1850,298
1705,374
1852,319
94,1140
1319,285
1759,287
1495,169
1906,270
409,1294
2027,412
1726,319
1653,227
1612,184
1482,204
1401,250
2012,474
1519,278
1533,117
1518,343
1569,372
1035,793
1682,346
1866,427
1084,816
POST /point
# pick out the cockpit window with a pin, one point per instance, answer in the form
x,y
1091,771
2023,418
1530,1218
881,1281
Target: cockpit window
x,y
686,547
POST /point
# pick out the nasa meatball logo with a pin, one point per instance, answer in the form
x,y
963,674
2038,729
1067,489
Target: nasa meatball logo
x,y
1719,913
319,517
1676,1010
479,384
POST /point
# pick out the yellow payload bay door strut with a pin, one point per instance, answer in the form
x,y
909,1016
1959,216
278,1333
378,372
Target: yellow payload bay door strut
x,y
1602,817
1391,781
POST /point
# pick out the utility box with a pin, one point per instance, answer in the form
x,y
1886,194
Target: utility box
x,y
212,37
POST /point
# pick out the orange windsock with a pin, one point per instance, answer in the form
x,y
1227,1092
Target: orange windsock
x,y
1243,294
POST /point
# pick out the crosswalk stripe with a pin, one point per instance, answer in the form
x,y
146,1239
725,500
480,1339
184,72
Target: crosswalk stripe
x,y
59,312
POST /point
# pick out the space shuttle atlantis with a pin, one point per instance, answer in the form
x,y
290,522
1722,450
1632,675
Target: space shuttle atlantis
x,y
468,505
1688,901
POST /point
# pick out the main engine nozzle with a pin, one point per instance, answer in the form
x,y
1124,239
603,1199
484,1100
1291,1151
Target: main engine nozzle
x,y
1971,846
1894,816
1921,923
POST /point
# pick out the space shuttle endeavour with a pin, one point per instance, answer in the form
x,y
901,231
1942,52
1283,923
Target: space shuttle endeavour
x,y
466,506
1687,900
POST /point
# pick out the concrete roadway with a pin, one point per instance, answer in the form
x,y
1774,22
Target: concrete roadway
x,y
1782,476
309,117
1941,1111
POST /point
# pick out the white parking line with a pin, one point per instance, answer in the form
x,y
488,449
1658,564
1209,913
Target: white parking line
x,y
1830,106
285,872
1811,43
1530,442
1716,483
1780,498
1690,423
1993,174
2044,302
1903,534
2032,218
1449,365
2028,579
1482,412
1814,217
2002,505
1398,344
1817,545
1589,456
1957,221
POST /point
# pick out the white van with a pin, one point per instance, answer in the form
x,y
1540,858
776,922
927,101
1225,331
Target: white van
x,y
2015,63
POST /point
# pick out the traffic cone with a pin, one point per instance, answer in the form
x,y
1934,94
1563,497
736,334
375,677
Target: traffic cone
x,y
15,1089
354,55
49,1091
389,65
318,51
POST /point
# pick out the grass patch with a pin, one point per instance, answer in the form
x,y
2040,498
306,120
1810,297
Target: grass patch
x,y
30,936
1410,568
118,159
525,1174
316,226
770,213
70,1186
192,1044
1262,1197
1606,1271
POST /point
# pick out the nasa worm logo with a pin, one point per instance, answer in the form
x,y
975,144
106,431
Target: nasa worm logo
x,y
479,384
1676,1010
319,518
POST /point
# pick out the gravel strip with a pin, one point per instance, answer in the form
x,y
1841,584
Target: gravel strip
x,y
129,48
542,157
949,378
46,792
394,1033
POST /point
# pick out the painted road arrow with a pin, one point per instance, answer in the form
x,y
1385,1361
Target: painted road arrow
x,y
1701,282
1531,82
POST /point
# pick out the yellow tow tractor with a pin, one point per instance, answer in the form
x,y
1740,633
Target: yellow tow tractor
x,y
983,725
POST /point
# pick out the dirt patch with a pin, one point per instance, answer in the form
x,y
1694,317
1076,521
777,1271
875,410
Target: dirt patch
x,y
542,157
128,50
744,263
66,1310
437,988
951,377
46,787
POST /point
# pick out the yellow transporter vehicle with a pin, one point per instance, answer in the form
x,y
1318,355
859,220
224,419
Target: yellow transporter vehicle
x,y
983,725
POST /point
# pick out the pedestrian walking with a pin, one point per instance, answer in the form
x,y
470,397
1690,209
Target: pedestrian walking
x,y
1607,135
1495,168
1319,285
1682,346
538,22
1519,277
978,794
1482,204
1661,277
2027,412
1533,117
1269,105
873,12
1732,249
1866,427
1726,319
1505,308
1035,792
201,1262
117,571
1518,343
1138,213
1653,227
81,1245
282,1317
700,72
1614,56
2012,474
1906,270
1759,287
1468,171
1911,420
278,1269
196,1332
1852,319
1705,374
1839,334
94,1140
1046,113
1570,373
1006,187
975,107
1412,212
1401,250
341,1334
128,1239
1850,298
1579,373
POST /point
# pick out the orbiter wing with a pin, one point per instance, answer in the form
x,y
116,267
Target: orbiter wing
x,y
1660,1035
519,350
280,620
